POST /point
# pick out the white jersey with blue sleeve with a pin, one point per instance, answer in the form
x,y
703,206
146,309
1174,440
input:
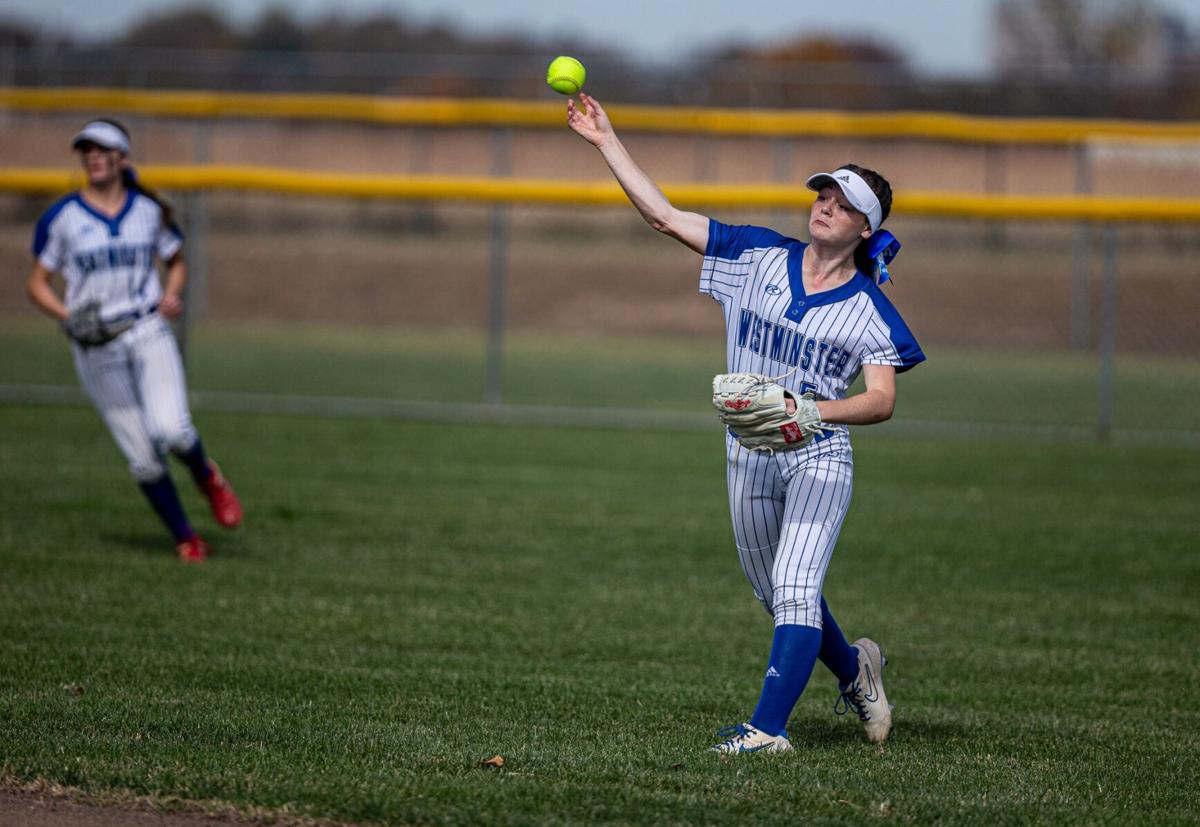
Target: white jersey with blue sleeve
x,y
815,342
136,381
111,260
788,507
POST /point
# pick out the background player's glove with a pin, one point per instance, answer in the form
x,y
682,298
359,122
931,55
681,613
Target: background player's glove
x,y
85,326
755,409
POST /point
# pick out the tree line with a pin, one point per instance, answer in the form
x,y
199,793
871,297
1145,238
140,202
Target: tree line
x,y
1049,57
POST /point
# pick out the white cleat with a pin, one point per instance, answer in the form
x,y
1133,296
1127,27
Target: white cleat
x,y
745,738
865,694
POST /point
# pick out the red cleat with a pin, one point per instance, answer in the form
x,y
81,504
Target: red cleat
x,y
193,550
225,505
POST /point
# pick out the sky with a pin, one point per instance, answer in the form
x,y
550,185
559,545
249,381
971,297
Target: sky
x,y
939,37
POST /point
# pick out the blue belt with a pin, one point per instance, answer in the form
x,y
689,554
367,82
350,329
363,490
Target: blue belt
x,y
135,314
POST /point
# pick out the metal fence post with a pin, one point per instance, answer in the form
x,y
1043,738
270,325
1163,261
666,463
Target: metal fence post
x,y
995,177
195,292
781,172
704,160
1107,333
420,163
497,290
1080,324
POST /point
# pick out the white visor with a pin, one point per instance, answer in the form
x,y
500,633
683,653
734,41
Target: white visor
x,y
102,133
857,192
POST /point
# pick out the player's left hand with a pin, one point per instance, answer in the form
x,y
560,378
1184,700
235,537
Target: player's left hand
x,y
171,307
763,415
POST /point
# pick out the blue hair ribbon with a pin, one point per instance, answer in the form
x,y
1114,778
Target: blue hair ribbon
x,y
882,247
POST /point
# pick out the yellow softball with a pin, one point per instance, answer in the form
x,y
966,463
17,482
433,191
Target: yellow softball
x,y
565,75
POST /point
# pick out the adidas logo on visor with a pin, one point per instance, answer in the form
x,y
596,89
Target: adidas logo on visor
x,y
857,191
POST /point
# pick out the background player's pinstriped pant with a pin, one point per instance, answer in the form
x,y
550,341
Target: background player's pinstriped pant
x,y
137,384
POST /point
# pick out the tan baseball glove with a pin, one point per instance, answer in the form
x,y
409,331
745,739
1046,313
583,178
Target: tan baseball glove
x,y
755,409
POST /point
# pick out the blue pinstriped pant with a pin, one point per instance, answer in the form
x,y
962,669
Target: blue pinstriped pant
x,y
787,514
137,384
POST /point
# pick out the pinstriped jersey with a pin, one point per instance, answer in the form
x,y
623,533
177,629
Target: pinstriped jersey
x,y
821,341
112,260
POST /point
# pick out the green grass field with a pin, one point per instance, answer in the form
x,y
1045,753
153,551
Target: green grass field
x,y
407,600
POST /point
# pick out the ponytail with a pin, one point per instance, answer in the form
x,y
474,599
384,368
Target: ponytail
x,y
130,177
872,255
863,260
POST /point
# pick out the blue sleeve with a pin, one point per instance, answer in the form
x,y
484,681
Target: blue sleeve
x,y
729,241
41,235
169,241
41,232
902,339
906,344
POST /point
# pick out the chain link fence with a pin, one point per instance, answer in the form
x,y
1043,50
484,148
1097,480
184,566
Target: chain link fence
x,y
335,305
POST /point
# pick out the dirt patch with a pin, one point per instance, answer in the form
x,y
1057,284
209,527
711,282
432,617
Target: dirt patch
x,y
45,804
28,810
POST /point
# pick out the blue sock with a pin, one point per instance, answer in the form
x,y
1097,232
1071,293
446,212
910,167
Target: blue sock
x,y
196,461
836,652
165,499
793,655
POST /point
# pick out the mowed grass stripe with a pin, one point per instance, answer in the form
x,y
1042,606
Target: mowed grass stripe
x,y
409,599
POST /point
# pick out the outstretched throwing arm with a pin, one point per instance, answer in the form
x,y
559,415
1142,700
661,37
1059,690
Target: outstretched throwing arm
x,y
592,124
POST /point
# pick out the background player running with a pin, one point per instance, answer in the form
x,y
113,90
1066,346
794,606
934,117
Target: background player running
x,y
106,241
809,314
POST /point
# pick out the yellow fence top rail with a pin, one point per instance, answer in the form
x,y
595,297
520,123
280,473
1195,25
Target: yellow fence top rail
x,y
533,191
551,114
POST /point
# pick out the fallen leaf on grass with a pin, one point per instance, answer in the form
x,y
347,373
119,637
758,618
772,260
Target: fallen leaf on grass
x,y
494,761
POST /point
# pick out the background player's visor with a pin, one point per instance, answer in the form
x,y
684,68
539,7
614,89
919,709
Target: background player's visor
x,y
857,191
102,134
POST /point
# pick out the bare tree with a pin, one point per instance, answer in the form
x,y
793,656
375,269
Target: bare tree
x,y
1073,38
1086,57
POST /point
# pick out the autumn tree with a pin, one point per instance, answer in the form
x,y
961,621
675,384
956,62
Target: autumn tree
x,y
816,70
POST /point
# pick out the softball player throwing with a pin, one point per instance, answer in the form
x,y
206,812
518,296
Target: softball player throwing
x,y
802,321
106,241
